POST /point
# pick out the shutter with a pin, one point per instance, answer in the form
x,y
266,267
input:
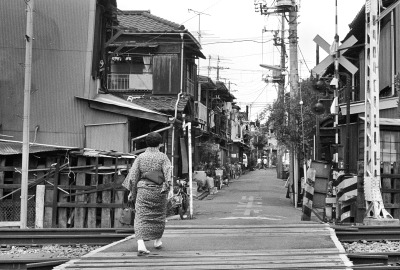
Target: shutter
x,y
166,74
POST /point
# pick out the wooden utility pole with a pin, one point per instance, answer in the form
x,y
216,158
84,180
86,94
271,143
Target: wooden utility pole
x,y
217,68
294,85
27,101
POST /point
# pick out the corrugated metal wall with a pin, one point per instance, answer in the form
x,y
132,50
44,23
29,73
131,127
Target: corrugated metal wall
x,y
62,51
103,137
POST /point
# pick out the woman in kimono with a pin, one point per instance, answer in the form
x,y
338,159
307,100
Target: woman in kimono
x,y
150,199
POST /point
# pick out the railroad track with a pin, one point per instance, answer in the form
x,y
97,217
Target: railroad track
x,y
31,264
377,260
368,233
32,238
27,237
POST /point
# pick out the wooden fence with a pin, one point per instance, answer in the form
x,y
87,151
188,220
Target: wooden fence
x,y
79,191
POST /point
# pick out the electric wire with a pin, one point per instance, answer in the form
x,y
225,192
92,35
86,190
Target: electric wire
x,y
302,56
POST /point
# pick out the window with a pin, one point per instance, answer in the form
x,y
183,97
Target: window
x,y
390,146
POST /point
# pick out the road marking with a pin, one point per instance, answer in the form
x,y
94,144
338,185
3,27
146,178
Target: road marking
x,y
258,217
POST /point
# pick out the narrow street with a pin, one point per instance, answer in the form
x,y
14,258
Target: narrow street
x,y
248,225
255,198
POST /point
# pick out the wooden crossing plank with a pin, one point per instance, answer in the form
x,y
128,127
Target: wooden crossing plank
x,y
224,259
227,253
227,258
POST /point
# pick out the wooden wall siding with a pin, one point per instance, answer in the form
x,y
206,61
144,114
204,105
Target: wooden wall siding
x,y
389,113
99,198
360,137
361,69
385,56
353,151
166,74
391,188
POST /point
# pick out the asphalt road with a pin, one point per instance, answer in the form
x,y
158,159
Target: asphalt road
x,y
257,197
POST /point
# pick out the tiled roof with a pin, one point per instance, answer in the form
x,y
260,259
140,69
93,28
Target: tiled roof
x,y
143,21
161,103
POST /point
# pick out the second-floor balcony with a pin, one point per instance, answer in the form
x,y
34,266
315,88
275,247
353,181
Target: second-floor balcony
x,y
142,82
122,82
190,87
201,112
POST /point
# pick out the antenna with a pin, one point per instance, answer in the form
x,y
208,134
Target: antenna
x,y
198,13
199,34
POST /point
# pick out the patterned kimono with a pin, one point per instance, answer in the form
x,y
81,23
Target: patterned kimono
x,y
150,203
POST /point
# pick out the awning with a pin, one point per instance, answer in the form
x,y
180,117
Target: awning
x,y
111,103
359,107
386,121
8,147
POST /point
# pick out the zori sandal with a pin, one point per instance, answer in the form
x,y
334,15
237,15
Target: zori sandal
x,y
143,252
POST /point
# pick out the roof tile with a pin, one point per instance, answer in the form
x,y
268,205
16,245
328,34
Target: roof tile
x,y
160,103
143,21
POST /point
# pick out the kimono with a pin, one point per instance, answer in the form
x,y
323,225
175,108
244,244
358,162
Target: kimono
x,y
150,202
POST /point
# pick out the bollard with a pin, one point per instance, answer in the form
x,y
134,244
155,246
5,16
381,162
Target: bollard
x,y
346,194
308,195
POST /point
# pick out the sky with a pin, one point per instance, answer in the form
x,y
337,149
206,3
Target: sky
x,y
232,31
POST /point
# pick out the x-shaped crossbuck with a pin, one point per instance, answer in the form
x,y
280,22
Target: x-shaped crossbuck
x,y
322,66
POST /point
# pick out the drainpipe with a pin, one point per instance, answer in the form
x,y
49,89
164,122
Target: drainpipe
x,y
175,116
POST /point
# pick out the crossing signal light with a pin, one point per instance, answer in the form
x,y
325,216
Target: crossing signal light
x,y
322,106
322,86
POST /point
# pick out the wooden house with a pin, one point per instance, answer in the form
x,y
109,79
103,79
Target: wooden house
x,y
220,122
151,63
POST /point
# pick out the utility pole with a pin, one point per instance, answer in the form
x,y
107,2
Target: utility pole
x,y
281,85
27,101
217,68
291,8
294,86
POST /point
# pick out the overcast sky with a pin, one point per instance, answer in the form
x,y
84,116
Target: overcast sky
x,y
232,31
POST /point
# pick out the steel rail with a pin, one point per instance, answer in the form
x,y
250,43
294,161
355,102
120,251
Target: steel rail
x,y
373,235
33,264
379,260
61,239
59,231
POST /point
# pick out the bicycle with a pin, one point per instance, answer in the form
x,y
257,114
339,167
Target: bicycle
x,y
180,199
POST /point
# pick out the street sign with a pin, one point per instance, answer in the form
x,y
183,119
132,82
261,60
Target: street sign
x,y
322,66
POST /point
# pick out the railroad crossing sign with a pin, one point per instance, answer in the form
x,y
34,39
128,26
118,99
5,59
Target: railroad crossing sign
x,y
321,67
